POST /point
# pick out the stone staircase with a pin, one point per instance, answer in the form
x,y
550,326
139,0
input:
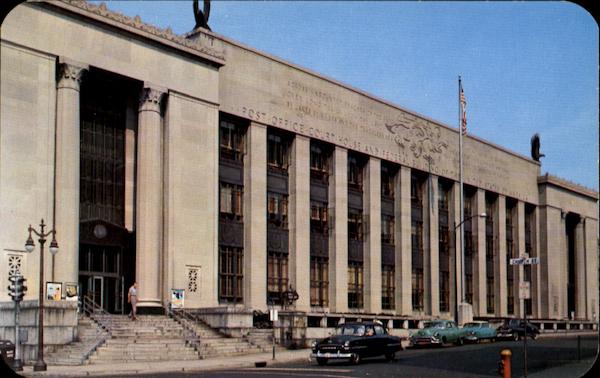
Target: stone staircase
x,y
262,338
90,337
211,343
149,338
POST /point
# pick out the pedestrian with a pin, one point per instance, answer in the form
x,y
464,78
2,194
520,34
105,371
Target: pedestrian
x,y
132,298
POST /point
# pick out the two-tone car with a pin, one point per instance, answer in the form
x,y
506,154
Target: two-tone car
x,y
437,332
479,330
515,329
355,341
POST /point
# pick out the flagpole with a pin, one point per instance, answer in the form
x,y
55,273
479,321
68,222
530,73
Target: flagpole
x,y
462,209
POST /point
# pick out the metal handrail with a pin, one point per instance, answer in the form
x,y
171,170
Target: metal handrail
x,y
90,308
190,335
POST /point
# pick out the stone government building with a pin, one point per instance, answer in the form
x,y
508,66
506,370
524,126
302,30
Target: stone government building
x,y
194,162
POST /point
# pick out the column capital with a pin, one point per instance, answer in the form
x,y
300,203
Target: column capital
x,y
69,75
150,99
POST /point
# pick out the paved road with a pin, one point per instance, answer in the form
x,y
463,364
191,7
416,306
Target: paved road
x,y
478,360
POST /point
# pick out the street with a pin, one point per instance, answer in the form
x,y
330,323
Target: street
x,y
475,360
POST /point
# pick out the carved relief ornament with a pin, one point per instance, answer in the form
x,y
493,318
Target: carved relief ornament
x,y
150,100
69,76
422,139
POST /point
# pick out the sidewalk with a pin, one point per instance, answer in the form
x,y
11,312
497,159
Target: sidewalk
x,y
168,366
576,369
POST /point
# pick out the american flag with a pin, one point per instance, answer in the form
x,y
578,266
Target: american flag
x,y
463,109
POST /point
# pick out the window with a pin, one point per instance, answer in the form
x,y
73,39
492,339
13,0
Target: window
x,y
277,276
387,181
318,158
231,278
277,209
417,289
319,281
277,152
318,217
529,237
388,287
230,201
355,284
231,141
355,179
387,229
469,249
355,224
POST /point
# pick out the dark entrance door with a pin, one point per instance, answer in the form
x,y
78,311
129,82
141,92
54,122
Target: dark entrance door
x,y
106,247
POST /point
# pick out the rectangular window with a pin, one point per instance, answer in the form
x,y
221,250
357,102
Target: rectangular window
x,y
417,289
231,141
355,284
355,174
318,217
277,152
231,278
510,253
277,277
319,281
469,248
388,287
355,224
417,241
387,229
277,209
231,201
387,181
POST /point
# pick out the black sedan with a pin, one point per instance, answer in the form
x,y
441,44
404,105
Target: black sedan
x,y
355,341
515,329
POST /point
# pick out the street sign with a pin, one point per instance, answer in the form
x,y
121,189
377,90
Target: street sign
x,y
525,261
524,290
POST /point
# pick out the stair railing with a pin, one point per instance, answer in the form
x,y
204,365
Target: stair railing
x,y
101,317
189,330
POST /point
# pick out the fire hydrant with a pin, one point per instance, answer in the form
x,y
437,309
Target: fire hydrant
x,y
504,363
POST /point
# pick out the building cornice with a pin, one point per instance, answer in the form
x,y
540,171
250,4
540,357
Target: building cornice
x,y
548,179
205,46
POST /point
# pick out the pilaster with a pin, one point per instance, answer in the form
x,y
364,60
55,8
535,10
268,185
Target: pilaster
x,y
403,243
69,78
591,263
372,256
338,240
581,281
479,279
299,224
255,218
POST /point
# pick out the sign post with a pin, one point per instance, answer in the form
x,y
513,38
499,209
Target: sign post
x,y
525,293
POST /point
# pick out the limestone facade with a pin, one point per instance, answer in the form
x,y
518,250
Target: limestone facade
x,y
179,89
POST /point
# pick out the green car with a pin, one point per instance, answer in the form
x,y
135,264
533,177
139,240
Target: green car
x,y
479,330
438,332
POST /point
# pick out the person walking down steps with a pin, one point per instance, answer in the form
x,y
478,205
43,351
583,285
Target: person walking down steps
x,y
132,298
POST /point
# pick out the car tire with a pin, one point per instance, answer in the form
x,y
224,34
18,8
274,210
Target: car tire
x,y
355,360
493,340
534,336
444,341
322,361
459,341
516,336
390,356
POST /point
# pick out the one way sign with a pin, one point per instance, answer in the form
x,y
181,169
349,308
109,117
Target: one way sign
x,y
525,261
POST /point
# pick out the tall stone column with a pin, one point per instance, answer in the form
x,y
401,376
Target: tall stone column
x,y
432,259
149,220
581,281
479,278
65,263
590,228
338,241
456,254
500,308
299,224
403,243
255,218
372,256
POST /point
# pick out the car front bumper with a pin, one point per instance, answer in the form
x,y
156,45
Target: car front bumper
x,y
416,341
332,355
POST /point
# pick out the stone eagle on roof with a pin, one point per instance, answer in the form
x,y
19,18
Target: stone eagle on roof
x,y
202,16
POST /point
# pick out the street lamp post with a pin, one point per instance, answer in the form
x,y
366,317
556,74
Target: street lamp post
x,y
40,365
462,263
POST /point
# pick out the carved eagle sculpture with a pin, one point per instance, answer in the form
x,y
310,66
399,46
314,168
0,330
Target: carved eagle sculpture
x,y
535,147
200,16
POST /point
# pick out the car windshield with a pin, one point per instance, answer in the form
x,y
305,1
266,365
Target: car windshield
x,y
351,330
434,325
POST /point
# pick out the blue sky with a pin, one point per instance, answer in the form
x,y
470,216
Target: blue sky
x,y
527,67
